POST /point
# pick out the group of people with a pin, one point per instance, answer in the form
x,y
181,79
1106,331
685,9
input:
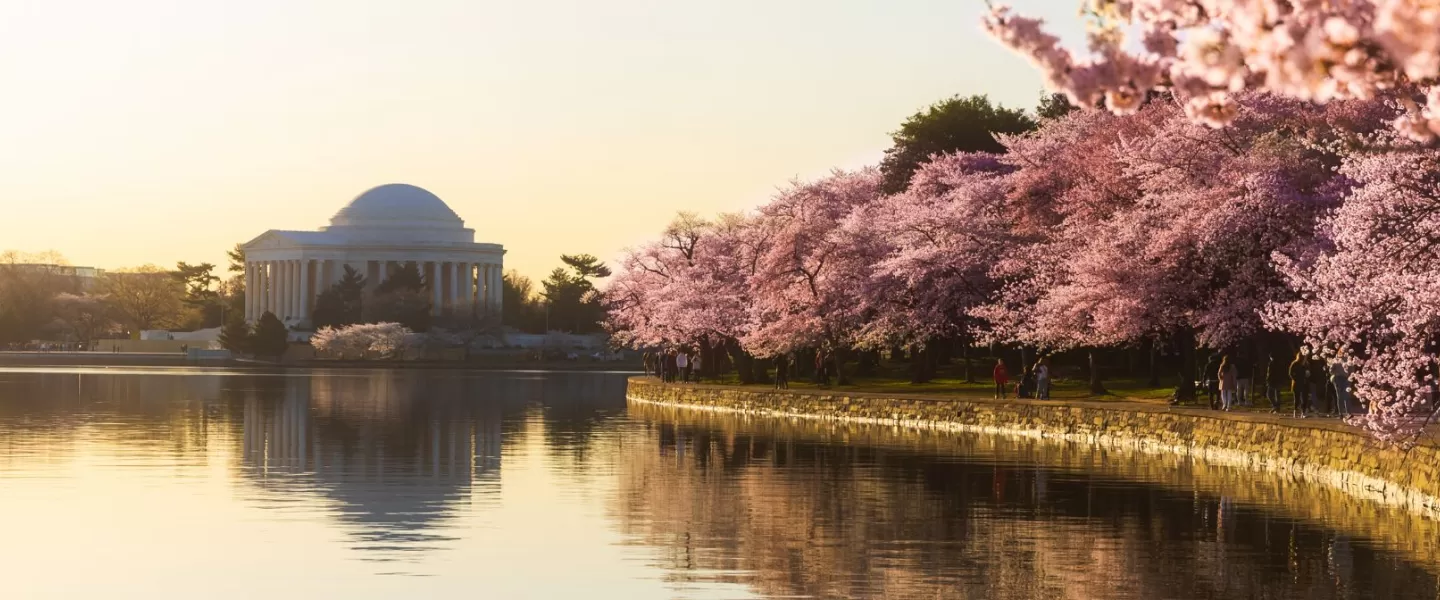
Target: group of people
x,y
1034,382
1315,387
673,365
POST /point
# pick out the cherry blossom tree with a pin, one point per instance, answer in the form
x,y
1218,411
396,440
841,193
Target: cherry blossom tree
x,y
366,340
808,276
933,247
1163,228
1369,294
1206,51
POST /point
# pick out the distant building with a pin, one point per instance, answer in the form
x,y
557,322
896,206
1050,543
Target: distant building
x,y
376,233
84,278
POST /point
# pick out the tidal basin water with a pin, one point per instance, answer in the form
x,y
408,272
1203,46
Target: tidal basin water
x,y
428,484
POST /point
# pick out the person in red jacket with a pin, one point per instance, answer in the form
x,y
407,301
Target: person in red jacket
x,y
1002,377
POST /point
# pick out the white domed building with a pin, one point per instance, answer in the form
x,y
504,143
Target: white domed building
x,y
379,231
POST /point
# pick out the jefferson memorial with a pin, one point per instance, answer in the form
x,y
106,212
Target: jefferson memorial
x,y
378,232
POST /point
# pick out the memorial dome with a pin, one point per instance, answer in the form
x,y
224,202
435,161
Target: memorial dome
x,y
396,204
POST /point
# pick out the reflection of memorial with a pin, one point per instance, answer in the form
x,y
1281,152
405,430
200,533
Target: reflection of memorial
x,y
397,452
773,502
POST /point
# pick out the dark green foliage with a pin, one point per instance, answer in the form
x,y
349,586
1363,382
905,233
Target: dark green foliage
x,y
958,124
271,337
570,295
1054,106
407,307
342,303
236,336
199,281
523,309
402,298
407,277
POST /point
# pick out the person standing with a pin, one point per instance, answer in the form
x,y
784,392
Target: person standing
x,y
1228,378
1320,386
1002,377
1340,379
682,364
1042,380
1211,377
1300,384
1244,371
695,366
782,372
1274,381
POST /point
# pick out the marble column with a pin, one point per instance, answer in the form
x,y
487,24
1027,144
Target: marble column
x,y
498,276
452,291
272,288
285,290
437,280
249,292
304,289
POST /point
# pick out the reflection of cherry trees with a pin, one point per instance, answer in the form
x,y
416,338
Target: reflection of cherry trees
x,y
784,510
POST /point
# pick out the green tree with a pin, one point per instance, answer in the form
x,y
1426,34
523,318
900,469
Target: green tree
x,y
199,282
571,298
958,124
523,309
342,303
407,277
145,297
236,336
271,338
404,297
1053,106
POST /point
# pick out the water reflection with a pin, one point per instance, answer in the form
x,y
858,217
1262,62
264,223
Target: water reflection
x,y
785,505
298,484
395,454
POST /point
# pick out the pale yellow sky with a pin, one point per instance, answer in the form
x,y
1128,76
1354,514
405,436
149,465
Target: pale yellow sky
x,y
151,131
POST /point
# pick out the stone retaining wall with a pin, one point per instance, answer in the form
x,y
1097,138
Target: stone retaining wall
x,y
1322,451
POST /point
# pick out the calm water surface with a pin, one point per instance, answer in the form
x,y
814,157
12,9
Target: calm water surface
x,y
395,484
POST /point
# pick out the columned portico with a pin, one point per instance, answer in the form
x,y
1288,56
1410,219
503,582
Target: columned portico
x,y
379,232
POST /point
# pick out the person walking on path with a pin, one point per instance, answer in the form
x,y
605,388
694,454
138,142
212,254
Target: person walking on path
x,y
782,372
1320,387
1002,377
1244,371
1340,379
1211,377
1042,380
1275,380
1228,377
1300,384
682,364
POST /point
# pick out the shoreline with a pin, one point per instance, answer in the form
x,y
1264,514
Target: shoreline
x,y
140,359
1329,453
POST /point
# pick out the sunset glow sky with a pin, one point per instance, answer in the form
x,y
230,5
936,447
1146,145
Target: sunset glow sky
x,y
151,131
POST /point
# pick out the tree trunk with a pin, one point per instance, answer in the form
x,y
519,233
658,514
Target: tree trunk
x,y
742,360
965,357
1154,380
838,359
1185,345
1096,386
919,365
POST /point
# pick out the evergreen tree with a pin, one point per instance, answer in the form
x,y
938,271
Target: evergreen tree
x,y
342,303
407,277
967,124
271,337
236,336
574,303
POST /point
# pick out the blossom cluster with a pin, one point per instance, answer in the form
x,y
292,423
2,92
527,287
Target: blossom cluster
x,y
1205,51
1097,230
363,340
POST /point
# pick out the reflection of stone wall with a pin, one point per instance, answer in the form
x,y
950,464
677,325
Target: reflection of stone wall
x,y
1320,451
1413,536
